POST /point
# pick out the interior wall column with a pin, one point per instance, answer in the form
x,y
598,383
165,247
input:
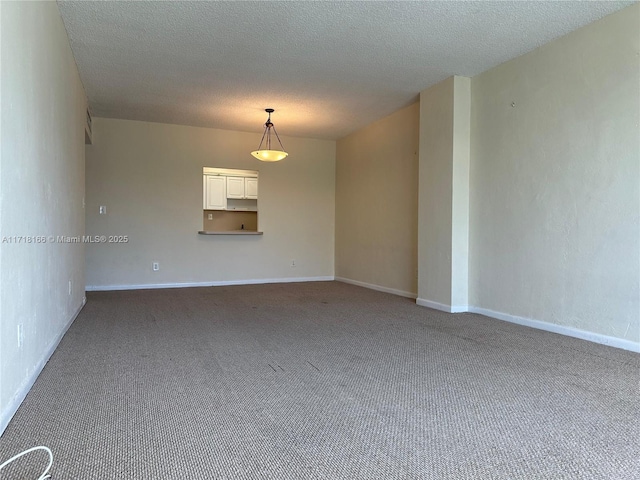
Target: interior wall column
x,y
443,203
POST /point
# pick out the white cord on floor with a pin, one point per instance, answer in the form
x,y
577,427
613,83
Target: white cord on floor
x,y
46,473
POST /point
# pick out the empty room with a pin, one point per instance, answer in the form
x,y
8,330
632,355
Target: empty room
x,y
320,240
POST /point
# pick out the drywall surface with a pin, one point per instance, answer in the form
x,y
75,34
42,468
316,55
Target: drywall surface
x,y
42,189
377,203
445,123
436,190
555,206
461,157
149,178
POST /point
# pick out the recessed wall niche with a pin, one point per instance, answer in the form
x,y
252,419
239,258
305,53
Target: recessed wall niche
x,y
229,201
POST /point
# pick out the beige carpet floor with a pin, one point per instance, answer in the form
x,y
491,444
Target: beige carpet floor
x,y
321,381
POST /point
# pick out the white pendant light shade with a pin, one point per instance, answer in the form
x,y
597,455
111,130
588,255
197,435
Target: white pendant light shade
x,y
267,154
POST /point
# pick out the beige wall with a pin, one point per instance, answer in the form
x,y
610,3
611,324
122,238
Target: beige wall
x,y
224,220
443,212
149,176
460,193
555,180
377,204
42,185
436,191
443,209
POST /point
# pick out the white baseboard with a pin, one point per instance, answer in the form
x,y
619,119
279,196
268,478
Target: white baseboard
x,y
560,329
148,286
379,288
10,410
441,306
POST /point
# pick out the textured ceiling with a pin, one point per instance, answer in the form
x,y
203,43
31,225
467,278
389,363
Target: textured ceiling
x,y
328,68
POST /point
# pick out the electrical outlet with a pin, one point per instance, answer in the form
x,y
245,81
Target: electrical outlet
x,y
20,335
210,216
103,209
156,266
293,263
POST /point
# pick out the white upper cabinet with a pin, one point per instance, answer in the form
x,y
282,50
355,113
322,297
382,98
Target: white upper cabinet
x,y
251,187
235,187
229,189
242,187
214,192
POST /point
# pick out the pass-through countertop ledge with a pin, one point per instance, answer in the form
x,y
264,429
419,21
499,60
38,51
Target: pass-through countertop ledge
x,y
230,232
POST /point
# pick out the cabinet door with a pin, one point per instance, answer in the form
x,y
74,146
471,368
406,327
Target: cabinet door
x,y
235,187
215,192
251,187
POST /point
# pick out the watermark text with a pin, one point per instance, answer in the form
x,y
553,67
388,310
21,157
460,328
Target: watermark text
x,y
35,239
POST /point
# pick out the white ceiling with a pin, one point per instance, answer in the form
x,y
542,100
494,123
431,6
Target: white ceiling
x,y
328,68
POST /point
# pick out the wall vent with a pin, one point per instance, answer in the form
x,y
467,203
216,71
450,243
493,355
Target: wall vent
x,y
89,121
88,132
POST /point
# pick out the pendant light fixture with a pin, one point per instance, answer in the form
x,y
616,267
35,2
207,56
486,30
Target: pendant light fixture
x,y
267,154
